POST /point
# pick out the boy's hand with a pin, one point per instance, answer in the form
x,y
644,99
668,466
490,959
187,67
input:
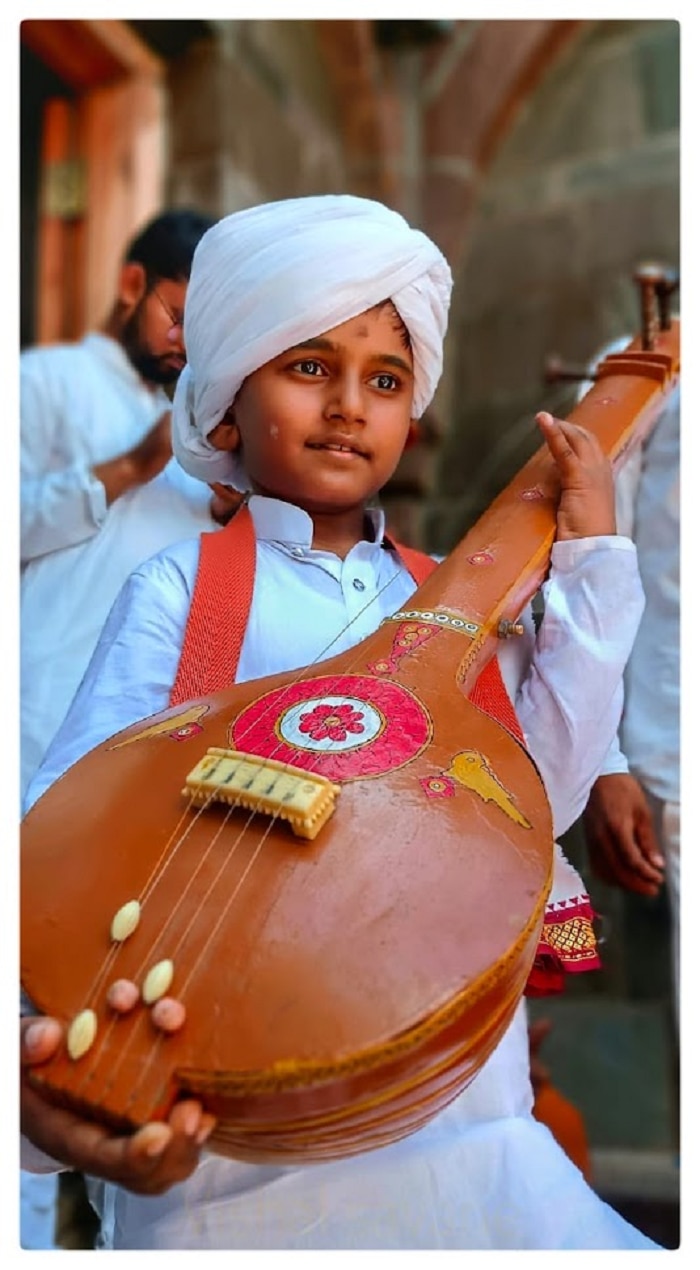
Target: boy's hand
x,y
620,836
148,1162
587,501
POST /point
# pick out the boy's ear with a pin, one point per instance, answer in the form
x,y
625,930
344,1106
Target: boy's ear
x,y
132,283
225,436
413,435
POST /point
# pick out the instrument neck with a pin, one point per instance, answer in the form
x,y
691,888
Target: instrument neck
x,y
499,565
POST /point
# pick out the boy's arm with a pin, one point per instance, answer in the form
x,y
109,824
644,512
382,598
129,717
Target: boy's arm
x,y
618,819
570,700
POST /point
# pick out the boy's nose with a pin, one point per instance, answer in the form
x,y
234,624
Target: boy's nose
x,y
346,399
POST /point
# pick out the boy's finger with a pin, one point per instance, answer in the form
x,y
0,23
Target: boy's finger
x,y
567,431
39,1039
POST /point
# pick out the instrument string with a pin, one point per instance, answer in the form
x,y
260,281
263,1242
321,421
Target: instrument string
x,y
311,761
172,847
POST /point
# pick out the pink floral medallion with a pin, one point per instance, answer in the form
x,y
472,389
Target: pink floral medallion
x,y
345,727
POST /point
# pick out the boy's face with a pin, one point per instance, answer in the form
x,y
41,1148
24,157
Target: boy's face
x,y
324,425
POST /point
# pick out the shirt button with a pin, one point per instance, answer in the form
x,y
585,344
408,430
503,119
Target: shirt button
x,y
297,551
358,584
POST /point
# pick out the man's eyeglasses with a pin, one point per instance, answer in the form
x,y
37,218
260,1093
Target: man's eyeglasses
x,y
174,321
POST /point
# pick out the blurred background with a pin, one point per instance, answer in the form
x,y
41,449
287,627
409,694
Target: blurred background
x,y
544,159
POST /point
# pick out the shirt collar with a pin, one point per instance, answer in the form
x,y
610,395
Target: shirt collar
x,y
276,521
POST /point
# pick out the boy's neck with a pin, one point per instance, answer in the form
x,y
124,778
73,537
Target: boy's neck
x,y
340,533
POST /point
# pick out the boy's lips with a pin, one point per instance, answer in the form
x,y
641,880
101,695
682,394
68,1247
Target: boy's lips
x,y
338,445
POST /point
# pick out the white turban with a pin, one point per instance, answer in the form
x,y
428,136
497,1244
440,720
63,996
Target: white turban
x,y
267,278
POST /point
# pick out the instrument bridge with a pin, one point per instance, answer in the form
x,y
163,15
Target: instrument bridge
x,y
305,799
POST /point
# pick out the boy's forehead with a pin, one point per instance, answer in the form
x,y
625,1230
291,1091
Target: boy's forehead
x,y
383,317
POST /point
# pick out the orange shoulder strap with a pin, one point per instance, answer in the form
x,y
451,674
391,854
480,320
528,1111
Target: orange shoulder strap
x,y
218,616
220,607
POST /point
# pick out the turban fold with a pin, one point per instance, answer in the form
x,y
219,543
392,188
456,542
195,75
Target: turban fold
x,y
269,277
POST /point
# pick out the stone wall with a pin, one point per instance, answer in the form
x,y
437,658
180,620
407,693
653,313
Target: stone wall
x,y
573,178
252,117
585,186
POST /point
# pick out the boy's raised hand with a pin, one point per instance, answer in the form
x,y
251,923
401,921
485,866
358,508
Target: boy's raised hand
x,y
148,1162
587,500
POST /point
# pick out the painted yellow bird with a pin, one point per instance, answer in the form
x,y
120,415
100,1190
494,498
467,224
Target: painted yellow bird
x,y
472,770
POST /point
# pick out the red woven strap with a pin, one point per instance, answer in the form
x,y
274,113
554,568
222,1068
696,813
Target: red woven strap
x,y
218,617
489,694
418,564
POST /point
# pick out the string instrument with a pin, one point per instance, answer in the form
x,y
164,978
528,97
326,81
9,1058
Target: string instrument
x,y
341,872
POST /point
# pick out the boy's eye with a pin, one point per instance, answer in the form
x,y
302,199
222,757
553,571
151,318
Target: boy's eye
x,y
308,367
385,381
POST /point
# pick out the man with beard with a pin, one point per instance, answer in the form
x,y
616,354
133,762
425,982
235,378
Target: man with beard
x,y
100,492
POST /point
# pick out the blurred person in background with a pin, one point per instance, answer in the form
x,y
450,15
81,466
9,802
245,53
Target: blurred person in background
x,y
632,819
100,493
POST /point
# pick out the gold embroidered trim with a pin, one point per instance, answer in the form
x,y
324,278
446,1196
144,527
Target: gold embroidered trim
x,y
572,940
448,621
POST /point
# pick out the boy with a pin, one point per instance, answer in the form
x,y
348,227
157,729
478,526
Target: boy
x,y
314,332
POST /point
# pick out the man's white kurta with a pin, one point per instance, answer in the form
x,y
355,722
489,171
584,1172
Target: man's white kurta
x,y
82,404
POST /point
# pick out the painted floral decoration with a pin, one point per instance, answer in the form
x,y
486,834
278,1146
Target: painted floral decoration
x,y
187,730
331,722
438,786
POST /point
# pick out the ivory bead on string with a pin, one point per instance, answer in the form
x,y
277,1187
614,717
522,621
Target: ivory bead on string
x,y
125,921
157,981
81,1033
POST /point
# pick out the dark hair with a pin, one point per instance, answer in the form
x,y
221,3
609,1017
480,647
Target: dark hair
x,y
165,246
399,324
